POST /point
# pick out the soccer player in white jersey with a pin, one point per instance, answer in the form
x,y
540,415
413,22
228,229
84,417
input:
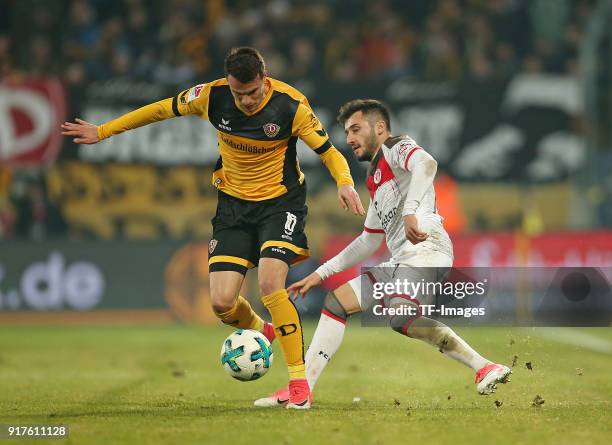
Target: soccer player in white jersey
x,y
403,212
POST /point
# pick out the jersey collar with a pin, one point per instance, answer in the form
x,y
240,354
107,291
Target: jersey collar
x,y
374,161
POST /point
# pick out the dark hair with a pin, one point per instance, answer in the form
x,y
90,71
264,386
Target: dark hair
x,y
367,107
244,63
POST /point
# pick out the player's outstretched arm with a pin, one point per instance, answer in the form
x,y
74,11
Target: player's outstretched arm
x,y
358,250
423,167
82,131
88,133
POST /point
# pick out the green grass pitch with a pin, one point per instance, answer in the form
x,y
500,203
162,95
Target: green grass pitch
x,y
140,385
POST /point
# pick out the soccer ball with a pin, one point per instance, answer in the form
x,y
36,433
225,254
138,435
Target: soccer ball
x,y
246,355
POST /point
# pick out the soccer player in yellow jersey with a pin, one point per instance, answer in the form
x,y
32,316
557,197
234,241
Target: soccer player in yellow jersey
x,y
261,210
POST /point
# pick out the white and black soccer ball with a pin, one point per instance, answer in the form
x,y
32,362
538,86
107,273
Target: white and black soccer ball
x,y
246,355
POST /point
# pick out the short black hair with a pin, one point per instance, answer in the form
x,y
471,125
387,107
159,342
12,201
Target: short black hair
x,y
244,63
367,107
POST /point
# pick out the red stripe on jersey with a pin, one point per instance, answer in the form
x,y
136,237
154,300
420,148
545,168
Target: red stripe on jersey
x,y
386,174
335,317
409,155
367,229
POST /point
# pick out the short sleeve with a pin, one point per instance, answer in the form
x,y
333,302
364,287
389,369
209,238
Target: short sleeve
x,y
308,127
192,101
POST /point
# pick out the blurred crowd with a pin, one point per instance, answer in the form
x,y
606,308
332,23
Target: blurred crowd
x,y
25,208
184,41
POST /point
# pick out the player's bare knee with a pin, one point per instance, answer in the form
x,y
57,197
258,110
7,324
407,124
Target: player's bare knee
x,y
222,302
224,290
268,285
345,297
221,307
272,275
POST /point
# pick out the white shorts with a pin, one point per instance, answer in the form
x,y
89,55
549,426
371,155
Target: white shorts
x,y
422,264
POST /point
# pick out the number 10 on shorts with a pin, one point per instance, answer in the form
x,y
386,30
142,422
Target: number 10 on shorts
x,y
290,223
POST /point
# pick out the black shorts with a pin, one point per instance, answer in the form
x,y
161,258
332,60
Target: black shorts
x,y
244,231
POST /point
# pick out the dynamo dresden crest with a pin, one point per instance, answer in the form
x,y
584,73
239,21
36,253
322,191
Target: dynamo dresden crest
x,y
271,129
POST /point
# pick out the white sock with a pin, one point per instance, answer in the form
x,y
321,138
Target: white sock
x,y
325,342
447,341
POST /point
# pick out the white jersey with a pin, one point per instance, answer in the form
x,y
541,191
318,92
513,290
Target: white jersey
x,y
388,182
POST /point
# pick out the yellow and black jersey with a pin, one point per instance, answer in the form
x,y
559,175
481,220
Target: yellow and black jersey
x,y
257,150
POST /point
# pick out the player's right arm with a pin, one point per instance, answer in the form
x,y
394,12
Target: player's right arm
x,y
191,101
409,156
361,248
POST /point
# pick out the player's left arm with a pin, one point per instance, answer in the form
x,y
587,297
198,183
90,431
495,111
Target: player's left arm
x,y
409,156
309,128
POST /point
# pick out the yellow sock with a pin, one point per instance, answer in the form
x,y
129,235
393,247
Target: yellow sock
x,y
288,329
241,316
